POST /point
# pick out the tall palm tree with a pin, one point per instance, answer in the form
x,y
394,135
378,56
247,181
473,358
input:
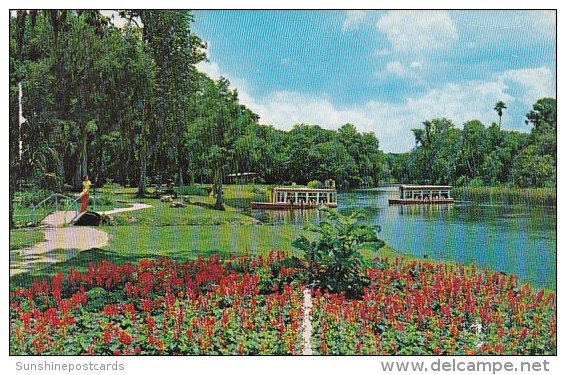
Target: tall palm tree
x,y
499,107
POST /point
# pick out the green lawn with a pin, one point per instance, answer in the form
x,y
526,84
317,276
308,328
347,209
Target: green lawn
x,y
21,238
189,241
199,210
179,233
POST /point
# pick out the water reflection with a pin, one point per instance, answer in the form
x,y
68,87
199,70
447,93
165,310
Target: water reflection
x,y
429,210
294,216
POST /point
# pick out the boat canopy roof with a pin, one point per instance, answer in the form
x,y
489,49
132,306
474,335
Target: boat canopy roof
x,y
303,189
425,187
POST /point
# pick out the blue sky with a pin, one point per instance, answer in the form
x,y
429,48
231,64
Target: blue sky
x,y
384,71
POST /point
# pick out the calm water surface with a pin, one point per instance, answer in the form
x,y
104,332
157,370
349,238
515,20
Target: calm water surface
x,y
517,239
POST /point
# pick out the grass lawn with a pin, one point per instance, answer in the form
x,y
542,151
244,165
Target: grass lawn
x,y
189,241
21,238
179,233
132,243
199,210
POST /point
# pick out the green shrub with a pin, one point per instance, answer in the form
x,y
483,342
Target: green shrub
x,y
315,184
100,201
193,190
258,191
333,257
33,197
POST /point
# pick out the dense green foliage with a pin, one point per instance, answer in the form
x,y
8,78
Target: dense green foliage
x,y
480,156
333,256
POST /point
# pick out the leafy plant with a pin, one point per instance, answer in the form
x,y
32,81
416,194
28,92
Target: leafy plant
x,y
315,184
194,190
333,257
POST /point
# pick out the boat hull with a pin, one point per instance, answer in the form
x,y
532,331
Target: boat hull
x,y
421,201
288,206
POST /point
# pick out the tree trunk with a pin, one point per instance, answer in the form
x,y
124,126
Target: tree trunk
x,y
219,205
181,182
142,186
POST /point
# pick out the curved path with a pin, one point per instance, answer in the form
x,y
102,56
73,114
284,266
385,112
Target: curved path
x,y
70,240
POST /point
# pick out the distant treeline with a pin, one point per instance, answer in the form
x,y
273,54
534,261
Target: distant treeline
x,y
482,156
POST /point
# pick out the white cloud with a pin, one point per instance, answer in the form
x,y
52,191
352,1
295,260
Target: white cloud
x,y
418,31
353,19
382,52
392,122
209,68
544,21
532,83
400,70
396,68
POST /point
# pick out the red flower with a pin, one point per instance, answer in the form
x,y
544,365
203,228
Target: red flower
x,y
125,338
111,310
147,306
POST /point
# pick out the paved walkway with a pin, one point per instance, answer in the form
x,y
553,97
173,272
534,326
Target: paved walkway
x,y
135,206
307,325
62,243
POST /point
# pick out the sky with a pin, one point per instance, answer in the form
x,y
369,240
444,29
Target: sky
x,y
383,71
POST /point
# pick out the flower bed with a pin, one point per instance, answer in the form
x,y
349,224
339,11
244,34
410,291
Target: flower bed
x,y
253,305
160,307
420,308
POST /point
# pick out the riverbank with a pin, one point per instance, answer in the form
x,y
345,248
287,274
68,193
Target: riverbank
x,y
483,235
506,195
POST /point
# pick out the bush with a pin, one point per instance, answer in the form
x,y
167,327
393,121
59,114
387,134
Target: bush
x,y
100,201
333,257
258,191
33,197
193,190
315,184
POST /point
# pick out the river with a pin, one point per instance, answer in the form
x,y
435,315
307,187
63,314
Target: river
x,y
515,239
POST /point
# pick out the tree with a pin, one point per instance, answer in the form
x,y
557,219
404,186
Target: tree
x,y
301,144
175,51
543,133
499,107
273,157
535,165
212,136
436,151
532,169
472,150
363,149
